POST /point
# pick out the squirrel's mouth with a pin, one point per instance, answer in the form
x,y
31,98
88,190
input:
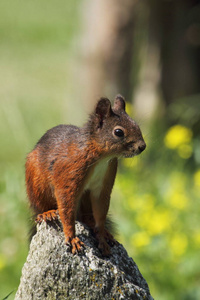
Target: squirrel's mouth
x,y
133,153
134,149
129,155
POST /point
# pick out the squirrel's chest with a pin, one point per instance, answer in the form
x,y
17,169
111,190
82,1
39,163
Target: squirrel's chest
x,y
96,176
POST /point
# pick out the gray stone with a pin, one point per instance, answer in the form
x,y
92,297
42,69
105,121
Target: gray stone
x,y
52,272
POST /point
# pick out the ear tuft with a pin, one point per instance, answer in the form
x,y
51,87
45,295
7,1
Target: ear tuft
x,y
119,103
103,109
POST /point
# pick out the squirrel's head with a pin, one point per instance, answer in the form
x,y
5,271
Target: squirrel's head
x,y
114,130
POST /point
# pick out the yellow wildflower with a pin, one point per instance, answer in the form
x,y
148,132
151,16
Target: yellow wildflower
x,y
185,151
196,238
140,239
178,244
159,222
177,136
155,221
179,200
142,203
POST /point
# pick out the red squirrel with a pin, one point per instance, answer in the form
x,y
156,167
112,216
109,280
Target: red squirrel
x,y
71,171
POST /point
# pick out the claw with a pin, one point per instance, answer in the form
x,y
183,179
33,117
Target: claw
x,y
47,216
75,243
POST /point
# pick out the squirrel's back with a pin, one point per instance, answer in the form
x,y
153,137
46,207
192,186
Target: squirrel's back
x,y
57,135
61,147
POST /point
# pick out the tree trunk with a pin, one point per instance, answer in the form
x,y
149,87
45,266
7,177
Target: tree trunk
x,y
107,49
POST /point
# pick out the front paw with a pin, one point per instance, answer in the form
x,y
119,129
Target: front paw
x,y
50,215
75,244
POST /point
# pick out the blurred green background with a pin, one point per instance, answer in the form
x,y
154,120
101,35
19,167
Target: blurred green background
x,y
56,59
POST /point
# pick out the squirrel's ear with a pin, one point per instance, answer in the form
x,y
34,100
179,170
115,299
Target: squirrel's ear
x,y
119,103
103,109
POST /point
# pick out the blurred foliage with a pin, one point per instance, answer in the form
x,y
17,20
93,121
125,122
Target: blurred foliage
x,y
34,73
157,210
155,203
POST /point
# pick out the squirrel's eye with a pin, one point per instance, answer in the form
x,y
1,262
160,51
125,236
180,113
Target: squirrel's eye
x,y
119,132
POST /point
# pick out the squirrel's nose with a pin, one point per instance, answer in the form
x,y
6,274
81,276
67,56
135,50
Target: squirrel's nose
x,y
142,146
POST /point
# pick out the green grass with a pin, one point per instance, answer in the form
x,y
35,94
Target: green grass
x,y
35,51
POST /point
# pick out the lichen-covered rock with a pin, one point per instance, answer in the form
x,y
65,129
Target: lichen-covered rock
x,y
52,272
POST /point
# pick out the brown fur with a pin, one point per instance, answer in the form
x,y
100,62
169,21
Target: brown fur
x,y
71,171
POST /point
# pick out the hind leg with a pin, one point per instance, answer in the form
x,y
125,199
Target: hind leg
x,y
39,189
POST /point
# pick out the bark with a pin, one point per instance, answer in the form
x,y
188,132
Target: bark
x,y
107,49
174,27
